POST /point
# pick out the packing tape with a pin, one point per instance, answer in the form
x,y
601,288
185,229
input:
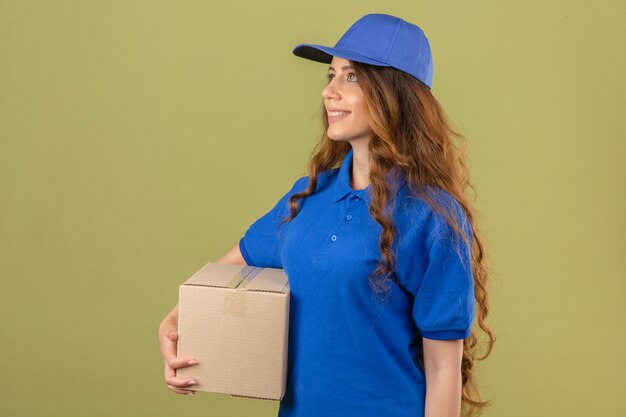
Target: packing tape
x,y
235,301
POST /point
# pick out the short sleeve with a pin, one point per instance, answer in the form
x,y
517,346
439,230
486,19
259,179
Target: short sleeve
x,y
444,297
262,242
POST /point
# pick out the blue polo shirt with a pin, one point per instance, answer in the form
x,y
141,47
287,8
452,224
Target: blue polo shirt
x,y
350,353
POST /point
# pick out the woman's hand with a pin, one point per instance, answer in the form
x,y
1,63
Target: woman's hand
x,y
168,338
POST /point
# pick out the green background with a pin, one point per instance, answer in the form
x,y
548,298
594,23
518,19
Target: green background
x,y
139,139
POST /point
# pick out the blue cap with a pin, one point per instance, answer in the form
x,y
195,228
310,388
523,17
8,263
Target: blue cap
x,y
379,39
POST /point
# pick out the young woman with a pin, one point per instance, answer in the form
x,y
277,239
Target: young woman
x,y
379,241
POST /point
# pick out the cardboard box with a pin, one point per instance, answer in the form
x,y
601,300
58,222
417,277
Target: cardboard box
x,y
234,319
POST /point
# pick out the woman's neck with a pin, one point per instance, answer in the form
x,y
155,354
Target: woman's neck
x,y
360,170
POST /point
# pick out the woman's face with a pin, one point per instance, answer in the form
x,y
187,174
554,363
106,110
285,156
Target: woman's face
x,y
343,94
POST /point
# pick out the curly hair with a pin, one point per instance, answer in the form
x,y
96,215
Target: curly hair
x,y
413,140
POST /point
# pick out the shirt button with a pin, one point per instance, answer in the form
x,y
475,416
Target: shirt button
x,y
333,237
349,217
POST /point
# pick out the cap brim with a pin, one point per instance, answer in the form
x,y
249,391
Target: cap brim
x,y
324,54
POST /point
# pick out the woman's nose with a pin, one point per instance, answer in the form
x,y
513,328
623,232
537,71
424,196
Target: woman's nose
x,y
330,91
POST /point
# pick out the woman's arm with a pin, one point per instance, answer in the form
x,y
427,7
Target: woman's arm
x,y
442,368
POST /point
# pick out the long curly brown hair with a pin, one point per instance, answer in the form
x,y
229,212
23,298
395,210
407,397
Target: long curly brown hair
x,y
413,140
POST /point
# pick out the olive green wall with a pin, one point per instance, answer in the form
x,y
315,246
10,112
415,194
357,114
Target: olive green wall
x,y
139,139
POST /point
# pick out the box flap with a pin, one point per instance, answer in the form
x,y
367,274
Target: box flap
x,y
220,275
269,279
236,276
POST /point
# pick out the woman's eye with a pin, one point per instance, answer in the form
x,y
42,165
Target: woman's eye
x,y
330,77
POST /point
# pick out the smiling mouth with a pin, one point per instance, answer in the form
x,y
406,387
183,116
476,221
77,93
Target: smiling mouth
x,y
335,116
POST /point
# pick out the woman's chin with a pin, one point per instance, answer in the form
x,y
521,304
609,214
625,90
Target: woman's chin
x,y
336,137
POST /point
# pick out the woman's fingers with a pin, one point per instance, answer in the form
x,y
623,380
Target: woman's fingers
x,y
181,362
169,350
175,383
169,346
181,391
180,382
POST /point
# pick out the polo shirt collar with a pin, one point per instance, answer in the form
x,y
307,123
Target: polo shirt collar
x,y
342,186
